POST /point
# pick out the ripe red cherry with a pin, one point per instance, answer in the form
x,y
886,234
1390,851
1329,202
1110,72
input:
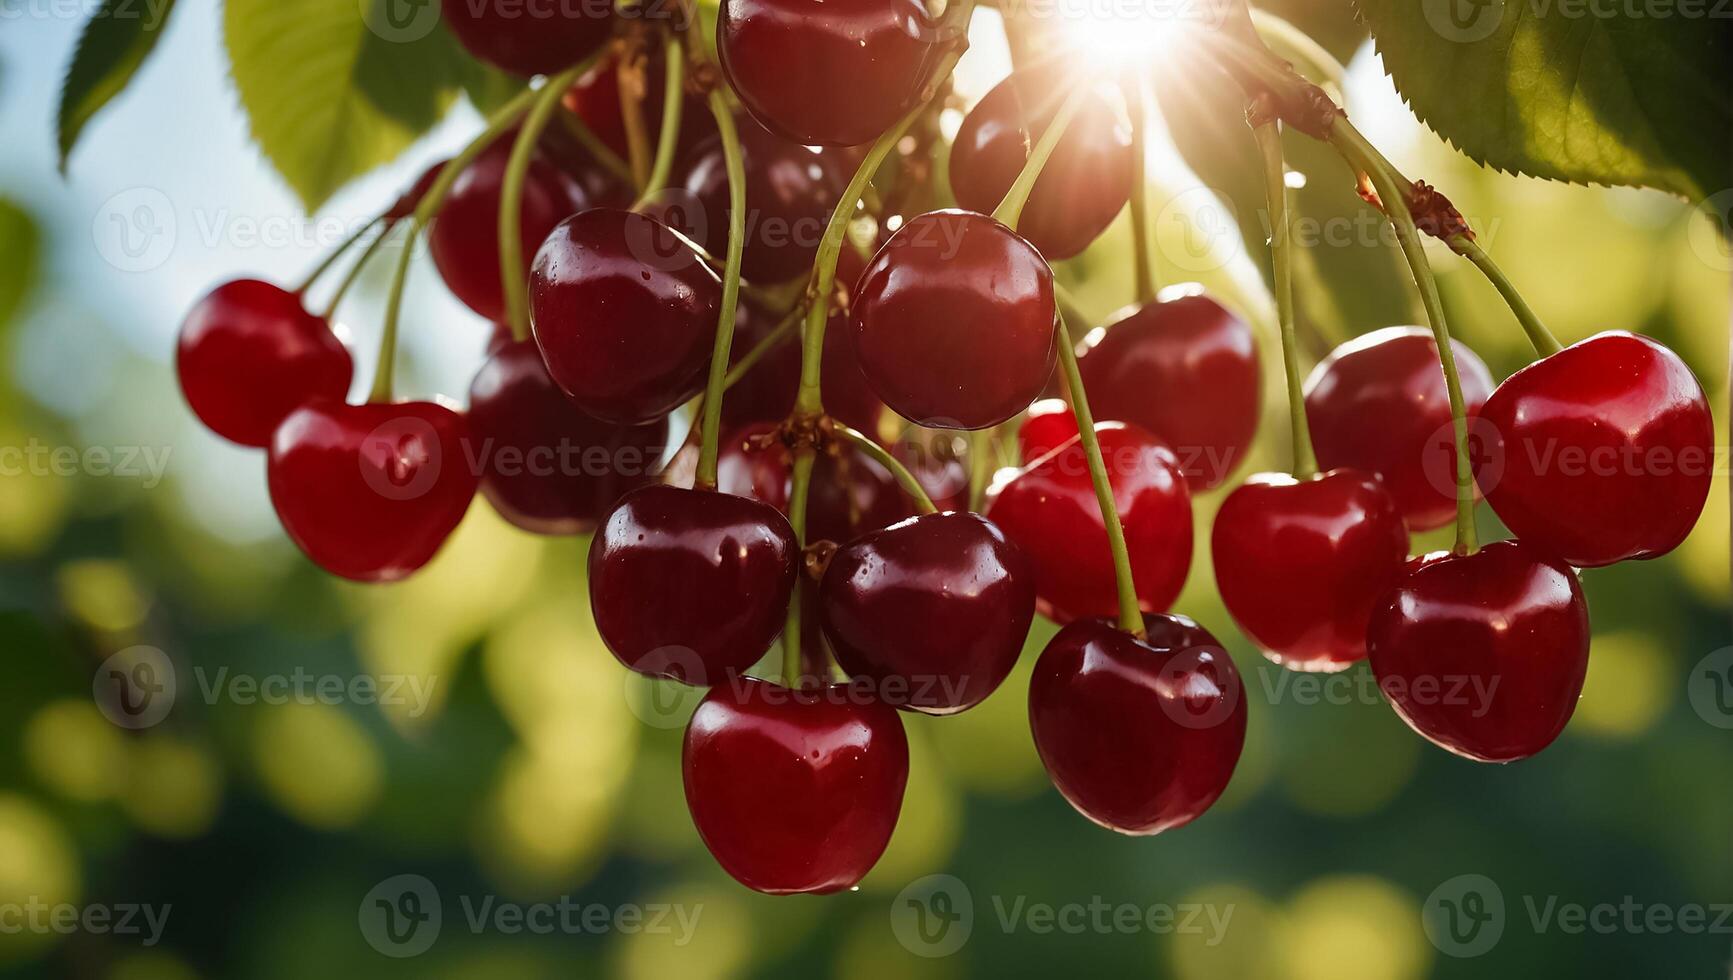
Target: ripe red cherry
x,y
1599,453
545,466
464,238
933,610
794,791
1189,343
954,322
370,492
790,192
1484,654
766,392
851,493
1084,185
830,74
529,39
1302,563
691,584
250,353
1049,510
1378,404
1049,425
595,98
1141,736
625,314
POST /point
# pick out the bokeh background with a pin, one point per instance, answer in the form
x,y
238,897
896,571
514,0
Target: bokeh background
x,y
530,774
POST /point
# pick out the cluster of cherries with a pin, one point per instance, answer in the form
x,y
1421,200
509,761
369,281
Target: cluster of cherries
x,y
951,325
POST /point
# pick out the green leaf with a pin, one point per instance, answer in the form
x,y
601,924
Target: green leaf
x,y
118,38
1557,89
329,97
21,243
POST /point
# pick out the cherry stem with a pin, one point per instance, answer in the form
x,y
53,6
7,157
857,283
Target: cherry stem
x,y
328,261
736,167
673,100
1315,55
777,335
1269,137
600,151
630,73
1361,155
883,457
800,482
1543,340
981,464
1142,268
1011,208
354,272
512,271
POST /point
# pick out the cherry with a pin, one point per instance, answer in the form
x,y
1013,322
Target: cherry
x,y
1049,510
766,392
595,98
954,322
831,74
790,191
1084,185
934,610
529,39
1048,426
1140,735
1190,343
370,492
464,238
794,791
1600,452
850,495
691,584
1378,403
1484,654
625,314
545,466
1302,563
249,354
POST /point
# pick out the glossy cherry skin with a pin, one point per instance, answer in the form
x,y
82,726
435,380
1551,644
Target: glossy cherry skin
x,y
370,492
1600,453
545,466
1084,185
624,312
794,791
1049,425
1302,563
1484,654
691,584
1378,404
1133,367
249,354
954,321
1141,736
464,238
933,610
531,38
826,74
850,495
766,392
1049,510
791,191
595,97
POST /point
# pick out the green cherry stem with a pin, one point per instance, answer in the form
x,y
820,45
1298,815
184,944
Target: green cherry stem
x,y
1142,269
355,270
328,261
1269,137
1011,208
673,100
1543,340
799,484
630,72
736,167
882,456
512,275
777,335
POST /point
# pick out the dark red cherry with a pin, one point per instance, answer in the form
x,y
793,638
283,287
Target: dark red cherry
x,y
625,314
595,98
794,791
691,584
529,38
545,466
1084,185
249,354
791,191
1302,563
954,323
1378,404
1189,343
766,392
1049,510
850,494
464,238
1599,453
933,610
827,74
1141,736
1484,654
370,492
